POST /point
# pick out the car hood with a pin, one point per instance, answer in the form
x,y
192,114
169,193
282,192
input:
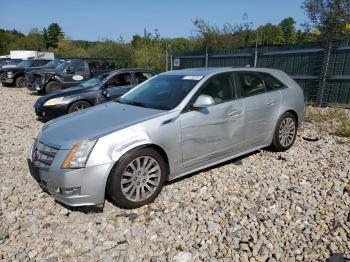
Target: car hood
x,y
66,92
94,122
12,68
38,68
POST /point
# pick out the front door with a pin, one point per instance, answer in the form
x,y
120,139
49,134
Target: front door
x,y
76,73
216,131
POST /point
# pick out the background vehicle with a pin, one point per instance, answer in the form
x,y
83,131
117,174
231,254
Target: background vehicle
x,y
29,72
16,74
8,62
95,91
174,124
69,73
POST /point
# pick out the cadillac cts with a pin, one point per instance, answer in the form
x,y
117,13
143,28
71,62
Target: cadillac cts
x,y
171,125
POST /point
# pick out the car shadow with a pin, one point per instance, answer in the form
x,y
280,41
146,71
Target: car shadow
x,y
235,161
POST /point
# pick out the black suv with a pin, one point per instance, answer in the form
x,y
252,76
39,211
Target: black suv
x,y
16,74
97,90
69,73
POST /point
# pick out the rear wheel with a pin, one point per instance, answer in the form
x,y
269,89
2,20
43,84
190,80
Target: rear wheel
x,y
285,133
20,81
79,105
52,87
137,179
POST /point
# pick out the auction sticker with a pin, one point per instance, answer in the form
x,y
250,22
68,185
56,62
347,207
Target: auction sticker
x,y
78,77
192,78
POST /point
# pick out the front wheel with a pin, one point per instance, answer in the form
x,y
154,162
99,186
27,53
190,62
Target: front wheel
x,y
52,87
137,179
20,81
77,106
285,133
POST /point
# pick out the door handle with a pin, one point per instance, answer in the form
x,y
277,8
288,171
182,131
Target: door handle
x,y
234,113
270,102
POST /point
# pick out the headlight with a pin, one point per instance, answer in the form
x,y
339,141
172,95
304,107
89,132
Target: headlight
x,y
79,154
9,74
54,101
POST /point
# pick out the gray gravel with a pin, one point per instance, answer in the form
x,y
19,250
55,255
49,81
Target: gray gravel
x,y
288,206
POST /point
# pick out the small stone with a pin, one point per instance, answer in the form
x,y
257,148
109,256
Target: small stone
x,y
183,257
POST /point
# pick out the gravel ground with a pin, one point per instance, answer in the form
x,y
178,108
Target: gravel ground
x,y
265,207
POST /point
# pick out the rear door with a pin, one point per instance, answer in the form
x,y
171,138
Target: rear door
x,y
216,131
261,107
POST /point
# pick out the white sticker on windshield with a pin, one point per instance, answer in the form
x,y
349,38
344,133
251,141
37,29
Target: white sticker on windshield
x,y
192,78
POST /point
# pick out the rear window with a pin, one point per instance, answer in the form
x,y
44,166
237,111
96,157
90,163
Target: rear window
x,y
271,82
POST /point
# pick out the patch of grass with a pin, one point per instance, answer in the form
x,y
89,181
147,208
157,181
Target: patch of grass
x,y
333,120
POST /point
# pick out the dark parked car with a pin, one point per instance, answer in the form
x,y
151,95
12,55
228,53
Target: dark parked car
x,y
9,62
97,90
16,74
48,67
68,74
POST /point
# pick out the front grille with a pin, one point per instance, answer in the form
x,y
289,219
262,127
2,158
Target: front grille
x,y
43,155
2,75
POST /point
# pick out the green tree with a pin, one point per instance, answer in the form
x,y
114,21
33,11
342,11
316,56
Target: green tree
x,y
54,32
329,16
288,28
270,34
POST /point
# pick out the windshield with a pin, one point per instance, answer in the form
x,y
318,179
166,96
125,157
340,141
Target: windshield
x,y
63,65
94,81
52,63
162,92
25,63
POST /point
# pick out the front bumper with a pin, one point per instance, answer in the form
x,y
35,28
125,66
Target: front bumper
x,y
45,114
74,187
7,80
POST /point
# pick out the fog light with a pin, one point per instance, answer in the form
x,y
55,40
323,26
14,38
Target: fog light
x,y
70,191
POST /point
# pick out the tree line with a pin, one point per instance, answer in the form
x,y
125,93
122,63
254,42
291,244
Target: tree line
x,y
326,19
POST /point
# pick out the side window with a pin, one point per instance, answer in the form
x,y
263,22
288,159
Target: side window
x,y
40,62
78,66
271,82
142,76
120,80
220,87
251,84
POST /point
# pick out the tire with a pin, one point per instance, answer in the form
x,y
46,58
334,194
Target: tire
x,y
20,82
285,133
134,192
52,87
77,106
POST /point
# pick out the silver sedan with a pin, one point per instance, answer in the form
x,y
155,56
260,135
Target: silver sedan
x,y
171,125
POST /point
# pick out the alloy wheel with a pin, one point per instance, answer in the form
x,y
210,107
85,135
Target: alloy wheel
x,y
141,178
287,132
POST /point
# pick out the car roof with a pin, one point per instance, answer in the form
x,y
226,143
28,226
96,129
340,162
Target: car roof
x,y
132,70
204,71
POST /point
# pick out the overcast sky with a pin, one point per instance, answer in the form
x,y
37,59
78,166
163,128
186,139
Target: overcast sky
x,y
95,20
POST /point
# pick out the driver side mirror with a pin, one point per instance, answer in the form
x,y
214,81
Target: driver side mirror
x,y
106,94
204,101
70,70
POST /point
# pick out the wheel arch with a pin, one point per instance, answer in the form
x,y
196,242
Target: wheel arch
x,y
78,100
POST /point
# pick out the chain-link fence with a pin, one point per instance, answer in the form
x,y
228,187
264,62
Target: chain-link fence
x,y
322,68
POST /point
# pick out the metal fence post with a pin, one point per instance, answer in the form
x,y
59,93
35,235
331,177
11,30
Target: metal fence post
x,y
324,71
171,60
206,56
166,57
